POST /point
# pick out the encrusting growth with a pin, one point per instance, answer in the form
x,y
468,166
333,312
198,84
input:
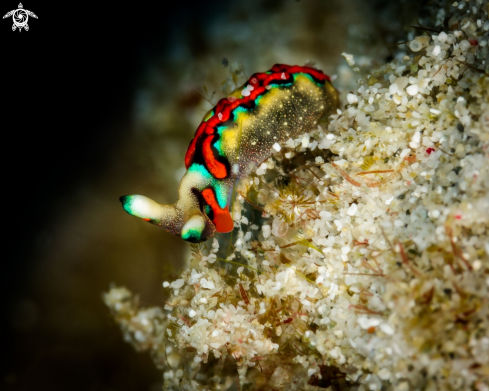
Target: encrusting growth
x,y
240,131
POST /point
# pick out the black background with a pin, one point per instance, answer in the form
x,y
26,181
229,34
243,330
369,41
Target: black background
x,y
65,86
64,83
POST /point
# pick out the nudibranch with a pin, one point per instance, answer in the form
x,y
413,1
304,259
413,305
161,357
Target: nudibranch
x,y
239,131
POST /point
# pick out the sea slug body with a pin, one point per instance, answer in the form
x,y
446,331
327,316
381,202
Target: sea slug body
x,y
239,131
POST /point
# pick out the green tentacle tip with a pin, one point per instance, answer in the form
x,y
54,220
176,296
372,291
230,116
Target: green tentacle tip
x,y
126,201
140,206
193,229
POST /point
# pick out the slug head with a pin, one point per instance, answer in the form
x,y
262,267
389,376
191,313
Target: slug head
x,y
191,225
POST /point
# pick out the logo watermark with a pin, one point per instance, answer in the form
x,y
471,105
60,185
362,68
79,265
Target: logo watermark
x,y
20,16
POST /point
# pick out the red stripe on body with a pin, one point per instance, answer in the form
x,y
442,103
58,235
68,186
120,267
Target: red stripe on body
x,y
216,168
298,69
271,78
222,219
256,92
225,109
189,156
